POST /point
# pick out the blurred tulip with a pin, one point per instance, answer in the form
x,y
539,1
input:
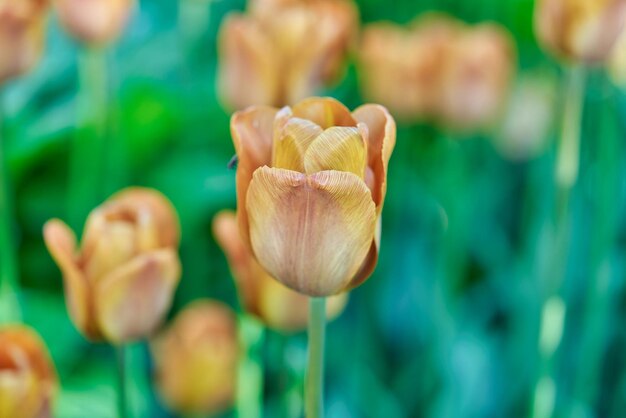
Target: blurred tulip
x,y
280,54
276,305
476,77
22,27
311,183
617,62
28,381
401,67
94,22
583,31
120,284
196,359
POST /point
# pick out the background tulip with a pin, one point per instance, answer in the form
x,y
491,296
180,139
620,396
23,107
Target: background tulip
x,y
276,305
196,359
28,381
311,183
120,284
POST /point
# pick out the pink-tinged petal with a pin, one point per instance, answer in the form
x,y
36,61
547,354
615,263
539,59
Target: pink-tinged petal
x,y
134,299
371,260
311,232
61,243
340,149
252,131
381,141
292,142
248,72
324,111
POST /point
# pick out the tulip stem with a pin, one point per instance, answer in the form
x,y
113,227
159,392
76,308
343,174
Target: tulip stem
x,y
314,402
250,373
122,395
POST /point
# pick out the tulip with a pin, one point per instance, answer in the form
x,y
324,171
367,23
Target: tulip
x,y
617,62
280,54
311,183
196,359
94,22
120,284
28,381
583,31
277,306
22,27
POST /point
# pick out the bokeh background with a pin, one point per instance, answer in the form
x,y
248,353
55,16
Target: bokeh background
x,y
449,324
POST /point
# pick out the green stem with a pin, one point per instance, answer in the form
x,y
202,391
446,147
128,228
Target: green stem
x,y
314,390
122,382
250,373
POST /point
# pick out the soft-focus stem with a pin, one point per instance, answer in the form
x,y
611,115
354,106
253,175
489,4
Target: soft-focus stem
x,y
314,389
122,382
9,283
250,373
87,164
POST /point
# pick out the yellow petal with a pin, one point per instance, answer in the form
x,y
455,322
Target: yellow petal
x,y
292,142
61,243
324,111
338,148
368,266
312,232
133,299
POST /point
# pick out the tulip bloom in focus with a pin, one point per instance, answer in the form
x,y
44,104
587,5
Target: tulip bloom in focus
x,y
583,31
196,359
28,381
94,22
22,28
283,51
311,183
277,306
120,283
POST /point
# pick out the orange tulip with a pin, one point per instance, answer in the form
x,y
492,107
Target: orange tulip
x,y
22,27
261,295
120,284
94,22
283,52
28,381
196,359
311,183
583,31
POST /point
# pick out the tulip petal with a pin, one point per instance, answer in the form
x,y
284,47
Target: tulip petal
x,y
292,142
381,141
368,266
61,243
133,299
337,148
252,131
311,232
324,111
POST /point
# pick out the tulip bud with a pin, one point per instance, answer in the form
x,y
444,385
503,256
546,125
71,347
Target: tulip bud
x,y
22,27
617,62
94,22
28,381
261,295
311,182
283,52
196,359
121,282
583,31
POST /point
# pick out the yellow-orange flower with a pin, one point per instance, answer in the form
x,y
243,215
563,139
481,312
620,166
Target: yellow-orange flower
x,y
311,183
22,27
282,52
94,21
28,381
120,284
583,31
277,306
196,359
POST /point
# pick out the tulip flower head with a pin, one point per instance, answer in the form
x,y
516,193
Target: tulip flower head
x,y
94,22
282,52
28,381
120,283
311,183
196,359
261,295
583,31
22,27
